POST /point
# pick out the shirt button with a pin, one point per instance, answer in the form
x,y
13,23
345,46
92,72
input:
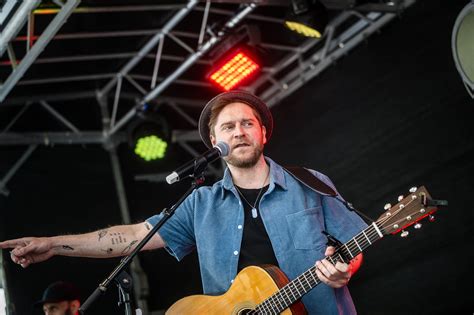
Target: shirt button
x,y
232,281
236,253
239,227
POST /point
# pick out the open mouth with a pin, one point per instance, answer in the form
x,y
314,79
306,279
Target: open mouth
x,y
241,145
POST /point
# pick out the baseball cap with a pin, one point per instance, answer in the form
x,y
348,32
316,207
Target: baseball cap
x,y
59,291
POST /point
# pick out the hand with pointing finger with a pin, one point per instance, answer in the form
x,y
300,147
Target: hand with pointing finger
x,y
29,250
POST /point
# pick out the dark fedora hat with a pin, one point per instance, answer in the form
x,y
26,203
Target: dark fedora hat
x,y
232,97
58,292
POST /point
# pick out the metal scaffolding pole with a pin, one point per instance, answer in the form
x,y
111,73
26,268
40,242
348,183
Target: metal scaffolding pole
x,y
59,117
140,280
333,49
38,47
149,46
185,65
85,137
3,278
14,169
16,23
50,138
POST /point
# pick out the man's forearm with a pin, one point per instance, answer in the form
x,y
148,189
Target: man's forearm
x,y
109,242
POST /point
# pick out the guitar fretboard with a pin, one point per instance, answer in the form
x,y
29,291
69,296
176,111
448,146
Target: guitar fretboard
x,y
295,289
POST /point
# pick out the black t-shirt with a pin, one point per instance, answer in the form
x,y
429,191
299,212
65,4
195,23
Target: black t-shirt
x,y
256,248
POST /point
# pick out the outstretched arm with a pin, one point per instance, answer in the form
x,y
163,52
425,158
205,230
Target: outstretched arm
x,y
110,242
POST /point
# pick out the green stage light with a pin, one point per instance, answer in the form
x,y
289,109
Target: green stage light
x,y
151,148
148,136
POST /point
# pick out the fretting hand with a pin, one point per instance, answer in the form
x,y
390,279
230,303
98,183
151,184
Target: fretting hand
x,y
335,276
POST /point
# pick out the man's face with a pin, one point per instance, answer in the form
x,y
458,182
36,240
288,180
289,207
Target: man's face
x,y
61,308
238,126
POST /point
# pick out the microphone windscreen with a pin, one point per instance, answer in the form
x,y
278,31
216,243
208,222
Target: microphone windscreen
x,y
223,147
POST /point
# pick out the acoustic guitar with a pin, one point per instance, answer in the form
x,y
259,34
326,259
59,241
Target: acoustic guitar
x,y
267,290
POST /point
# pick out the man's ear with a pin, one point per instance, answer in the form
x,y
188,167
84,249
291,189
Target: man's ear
x,y
213,140
74,306
264,134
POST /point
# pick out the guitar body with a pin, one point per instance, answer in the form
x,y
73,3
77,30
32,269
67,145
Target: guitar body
x,y
251,286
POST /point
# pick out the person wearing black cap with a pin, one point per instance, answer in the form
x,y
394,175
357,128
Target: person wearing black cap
x,y
60,298
257,214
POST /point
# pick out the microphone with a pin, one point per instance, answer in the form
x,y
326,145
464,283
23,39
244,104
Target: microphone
x,y
199,164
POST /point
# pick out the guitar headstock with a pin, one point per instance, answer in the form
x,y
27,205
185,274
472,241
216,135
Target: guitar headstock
x,y
409,210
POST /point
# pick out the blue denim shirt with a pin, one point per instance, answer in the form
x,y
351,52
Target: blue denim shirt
x,y
211,219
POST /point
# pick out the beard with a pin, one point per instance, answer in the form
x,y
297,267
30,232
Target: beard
x,y
247,162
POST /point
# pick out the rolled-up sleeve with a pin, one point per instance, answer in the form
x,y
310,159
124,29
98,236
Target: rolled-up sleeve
x,y
178,231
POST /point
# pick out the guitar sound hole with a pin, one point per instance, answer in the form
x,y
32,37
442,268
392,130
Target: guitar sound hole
x,y
246,311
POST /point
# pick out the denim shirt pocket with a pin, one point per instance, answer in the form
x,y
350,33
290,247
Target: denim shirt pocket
x,y
305,228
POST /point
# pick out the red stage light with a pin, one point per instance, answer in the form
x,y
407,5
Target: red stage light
x,y
235,69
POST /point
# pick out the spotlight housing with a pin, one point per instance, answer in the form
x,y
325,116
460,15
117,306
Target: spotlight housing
x,y
307,18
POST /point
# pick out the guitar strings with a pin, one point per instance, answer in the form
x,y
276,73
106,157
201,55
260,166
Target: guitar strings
x,y
310,273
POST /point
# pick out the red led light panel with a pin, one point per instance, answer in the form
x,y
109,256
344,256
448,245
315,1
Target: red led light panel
x,y
234,71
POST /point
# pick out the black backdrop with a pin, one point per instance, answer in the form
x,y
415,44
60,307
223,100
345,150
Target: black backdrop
x,y
391,115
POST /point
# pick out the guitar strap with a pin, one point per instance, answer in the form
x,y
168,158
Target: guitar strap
x,y
309,180
312,182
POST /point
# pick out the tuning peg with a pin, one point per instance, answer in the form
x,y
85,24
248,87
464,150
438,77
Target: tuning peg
x,y
417,226
400,198
387,206
413,189
431,218
404,233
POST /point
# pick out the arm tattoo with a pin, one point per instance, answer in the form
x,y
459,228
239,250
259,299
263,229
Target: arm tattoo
x,y
127,249
117,238
108,250
102,233
67,247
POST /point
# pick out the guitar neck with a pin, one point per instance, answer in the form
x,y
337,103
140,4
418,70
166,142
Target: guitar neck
x,y
295,289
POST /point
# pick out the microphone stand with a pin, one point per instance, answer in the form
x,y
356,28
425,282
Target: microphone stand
x,y
119,275
124,283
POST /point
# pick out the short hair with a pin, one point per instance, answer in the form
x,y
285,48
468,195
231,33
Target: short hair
x,y
219,106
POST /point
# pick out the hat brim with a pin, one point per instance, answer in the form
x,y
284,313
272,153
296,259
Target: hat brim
x,y
231,97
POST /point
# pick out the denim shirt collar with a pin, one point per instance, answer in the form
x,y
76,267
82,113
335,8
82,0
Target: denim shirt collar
x,y
277,177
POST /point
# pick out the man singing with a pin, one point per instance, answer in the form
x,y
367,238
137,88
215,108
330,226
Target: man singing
x,y
257,214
